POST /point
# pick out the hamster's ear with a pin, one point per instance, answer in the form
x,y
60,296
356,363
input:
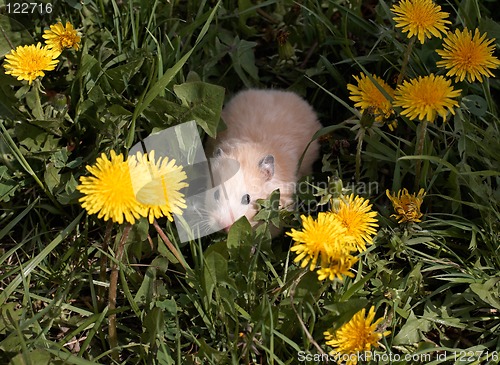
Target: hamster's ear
x,y
218,152
266,166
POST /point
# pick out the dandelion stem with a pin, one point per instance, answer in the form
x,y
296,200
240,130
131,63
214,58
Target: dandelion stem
x,y
37,108
113,285
169,244
406,59
419,149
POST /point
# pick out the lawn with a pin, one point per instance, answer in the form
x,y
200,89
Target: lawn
x,y
391,254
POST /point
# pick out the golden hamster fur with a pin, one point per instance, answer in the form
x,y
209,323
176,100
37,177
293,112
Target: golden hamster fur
x,y
267,132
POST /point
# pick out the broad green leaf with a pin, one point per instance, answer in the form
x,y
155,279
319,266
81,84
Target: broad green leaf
x,y
488,291
70,359
153,325
30,136
203,103
168,305
8,101
87,63
9,313
491,27
162,113
52,177
119,77
37,356
240,231
7,185
246,11
357,286
215,267
411,331
145,292
476,105
244,60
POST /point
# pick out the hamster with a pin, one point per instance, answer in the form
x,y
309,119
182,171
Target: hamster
x,y
267,132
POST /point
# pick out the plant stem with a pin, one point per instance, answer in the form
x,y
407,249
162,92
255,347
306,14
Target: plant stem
x,y
361,136
299,318
169,244
113,285
419,149
406,59
37,110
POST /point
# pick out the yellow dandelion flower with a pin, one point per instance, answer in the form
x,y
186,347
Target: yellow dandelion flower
x,y
355,337
323,239
30,62
337,268
421,18
319,239
368,97
407,206
59,37
356,215
467,56
425,97
109,191
157,183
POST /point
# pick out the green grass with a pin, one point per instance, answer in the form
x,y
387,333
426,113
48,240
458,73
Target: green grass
x,y
240,298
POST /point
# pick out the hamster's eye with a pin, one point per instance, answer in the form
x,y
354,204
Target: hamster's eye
x,y
245,199
216,194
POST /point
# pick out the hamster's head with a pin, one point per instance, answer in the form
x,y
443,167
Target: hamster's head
x,y
240,177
